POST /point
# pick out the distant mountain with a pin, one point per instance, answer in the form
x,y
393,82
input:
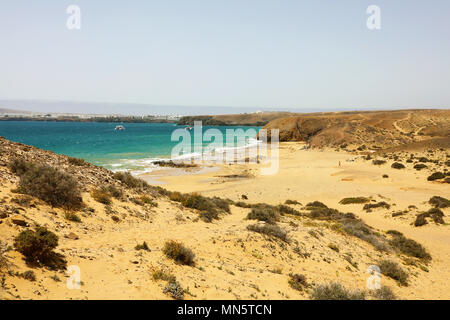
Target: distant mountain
x,y
4,110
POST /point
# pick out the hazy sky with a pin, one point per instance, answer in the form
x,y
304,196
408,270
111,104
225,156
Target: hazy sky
x,y
278,53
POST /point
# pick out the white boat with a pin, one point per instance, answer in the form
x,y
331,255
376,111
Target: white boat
x,y
119,127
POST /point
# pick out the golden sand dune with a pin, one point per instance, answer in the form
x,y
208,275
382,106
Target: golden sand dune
x,y
372,130
301,247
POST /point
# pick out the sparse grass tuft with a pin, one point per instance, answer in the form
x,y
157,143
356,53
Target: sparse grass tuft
x,y
72,216
384,293
102,196
264,214
143,246
354,200
393,271
130,181
409,247
77,162
37,247
178,252
382,204
297,281
335,291
271,230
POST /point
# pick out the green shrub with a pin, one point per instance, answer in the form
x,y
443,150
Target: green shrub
x,y
72,216
101,196
37,247
28,275
397,165
114,191
409,247
314,205
297,281
209,208
335,291
384,293
378,162
354,200
393,271
264,214
436,176
178,252
271,230
359,229
437,215
55,187
292,202
77,162
420,220
369,206
175,290
420,166
160,274
283,209
20,166
130,181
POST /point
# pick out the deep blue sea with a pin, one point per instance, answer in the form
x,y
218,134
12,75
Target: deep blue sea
x,y
131,149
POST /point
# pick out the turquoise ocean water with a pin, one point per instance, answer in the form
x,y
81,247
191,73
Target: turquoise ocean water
x,y
132,149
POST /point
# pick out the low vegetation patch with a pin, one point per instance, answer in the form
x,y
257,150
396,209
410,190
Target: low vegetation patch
x,y
174,289
436,176
382,204
179,253
77,162
335,291
439,202
131,182
378,162
143,246
420,166
347,223
297,281
271,230
408,247
55,187
72,216
266,214
102,196
209,208
292,202
434,213
37,247
393,271
384,293
398,165
354,200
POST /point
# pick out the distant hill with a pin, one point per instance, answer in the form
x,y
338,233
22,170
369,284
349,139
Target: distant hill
x,y
243,119
373,129
4,110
